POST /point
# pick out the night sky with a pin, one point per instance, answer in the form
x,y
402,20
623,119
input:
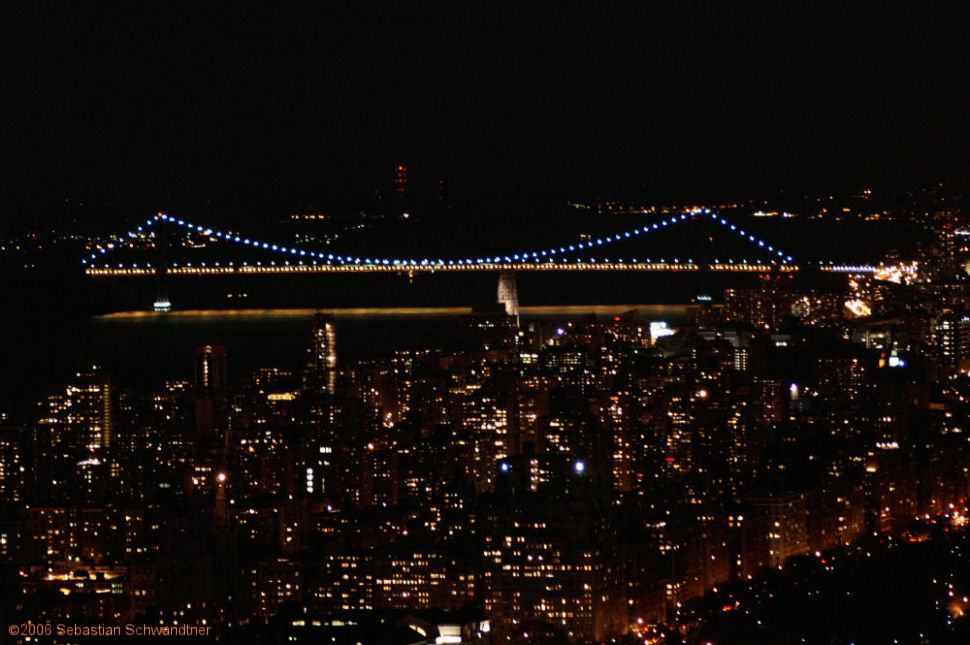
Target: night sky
x,y
168,103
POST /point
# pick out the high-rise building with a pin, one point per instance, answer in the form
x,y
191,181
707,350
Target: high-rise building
x,y
210,370
320,374
952,334
84,408
211,391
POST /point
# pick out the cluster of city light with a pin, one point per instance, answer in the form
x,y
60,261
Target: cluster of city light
x,y
901,273
858,308
141,230
552,256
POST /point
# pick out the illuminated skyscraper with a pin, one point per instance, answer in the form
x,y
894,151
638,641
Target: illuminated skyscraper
x,y
210,397
77,425
321,367
210,370
84,409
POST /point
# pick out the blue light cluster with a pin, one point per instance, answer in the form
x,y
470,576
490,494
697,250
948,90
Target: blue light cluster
x,y
547,255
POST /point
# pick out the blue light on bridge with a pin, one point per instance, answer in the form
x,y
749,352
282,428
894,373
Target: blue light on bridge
x,y
441,262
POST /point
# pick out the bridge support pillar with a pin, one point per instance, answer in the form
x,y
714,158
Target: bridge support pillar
x,y
508,294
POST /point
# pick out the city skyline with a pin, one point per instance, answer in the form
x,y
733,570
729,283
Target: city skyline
x,y
499,325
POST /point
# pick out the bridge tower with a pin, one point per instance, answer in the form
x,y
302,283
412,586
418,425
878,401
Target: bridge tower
x,y
508,294
162,301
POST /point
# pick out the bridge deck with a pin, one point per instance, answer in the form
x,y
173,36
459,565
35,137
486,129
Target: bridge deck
x,y
432,268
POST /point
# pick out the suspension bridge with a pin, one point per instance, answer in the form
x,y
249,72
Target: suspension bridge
x,y
591,254
587,253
